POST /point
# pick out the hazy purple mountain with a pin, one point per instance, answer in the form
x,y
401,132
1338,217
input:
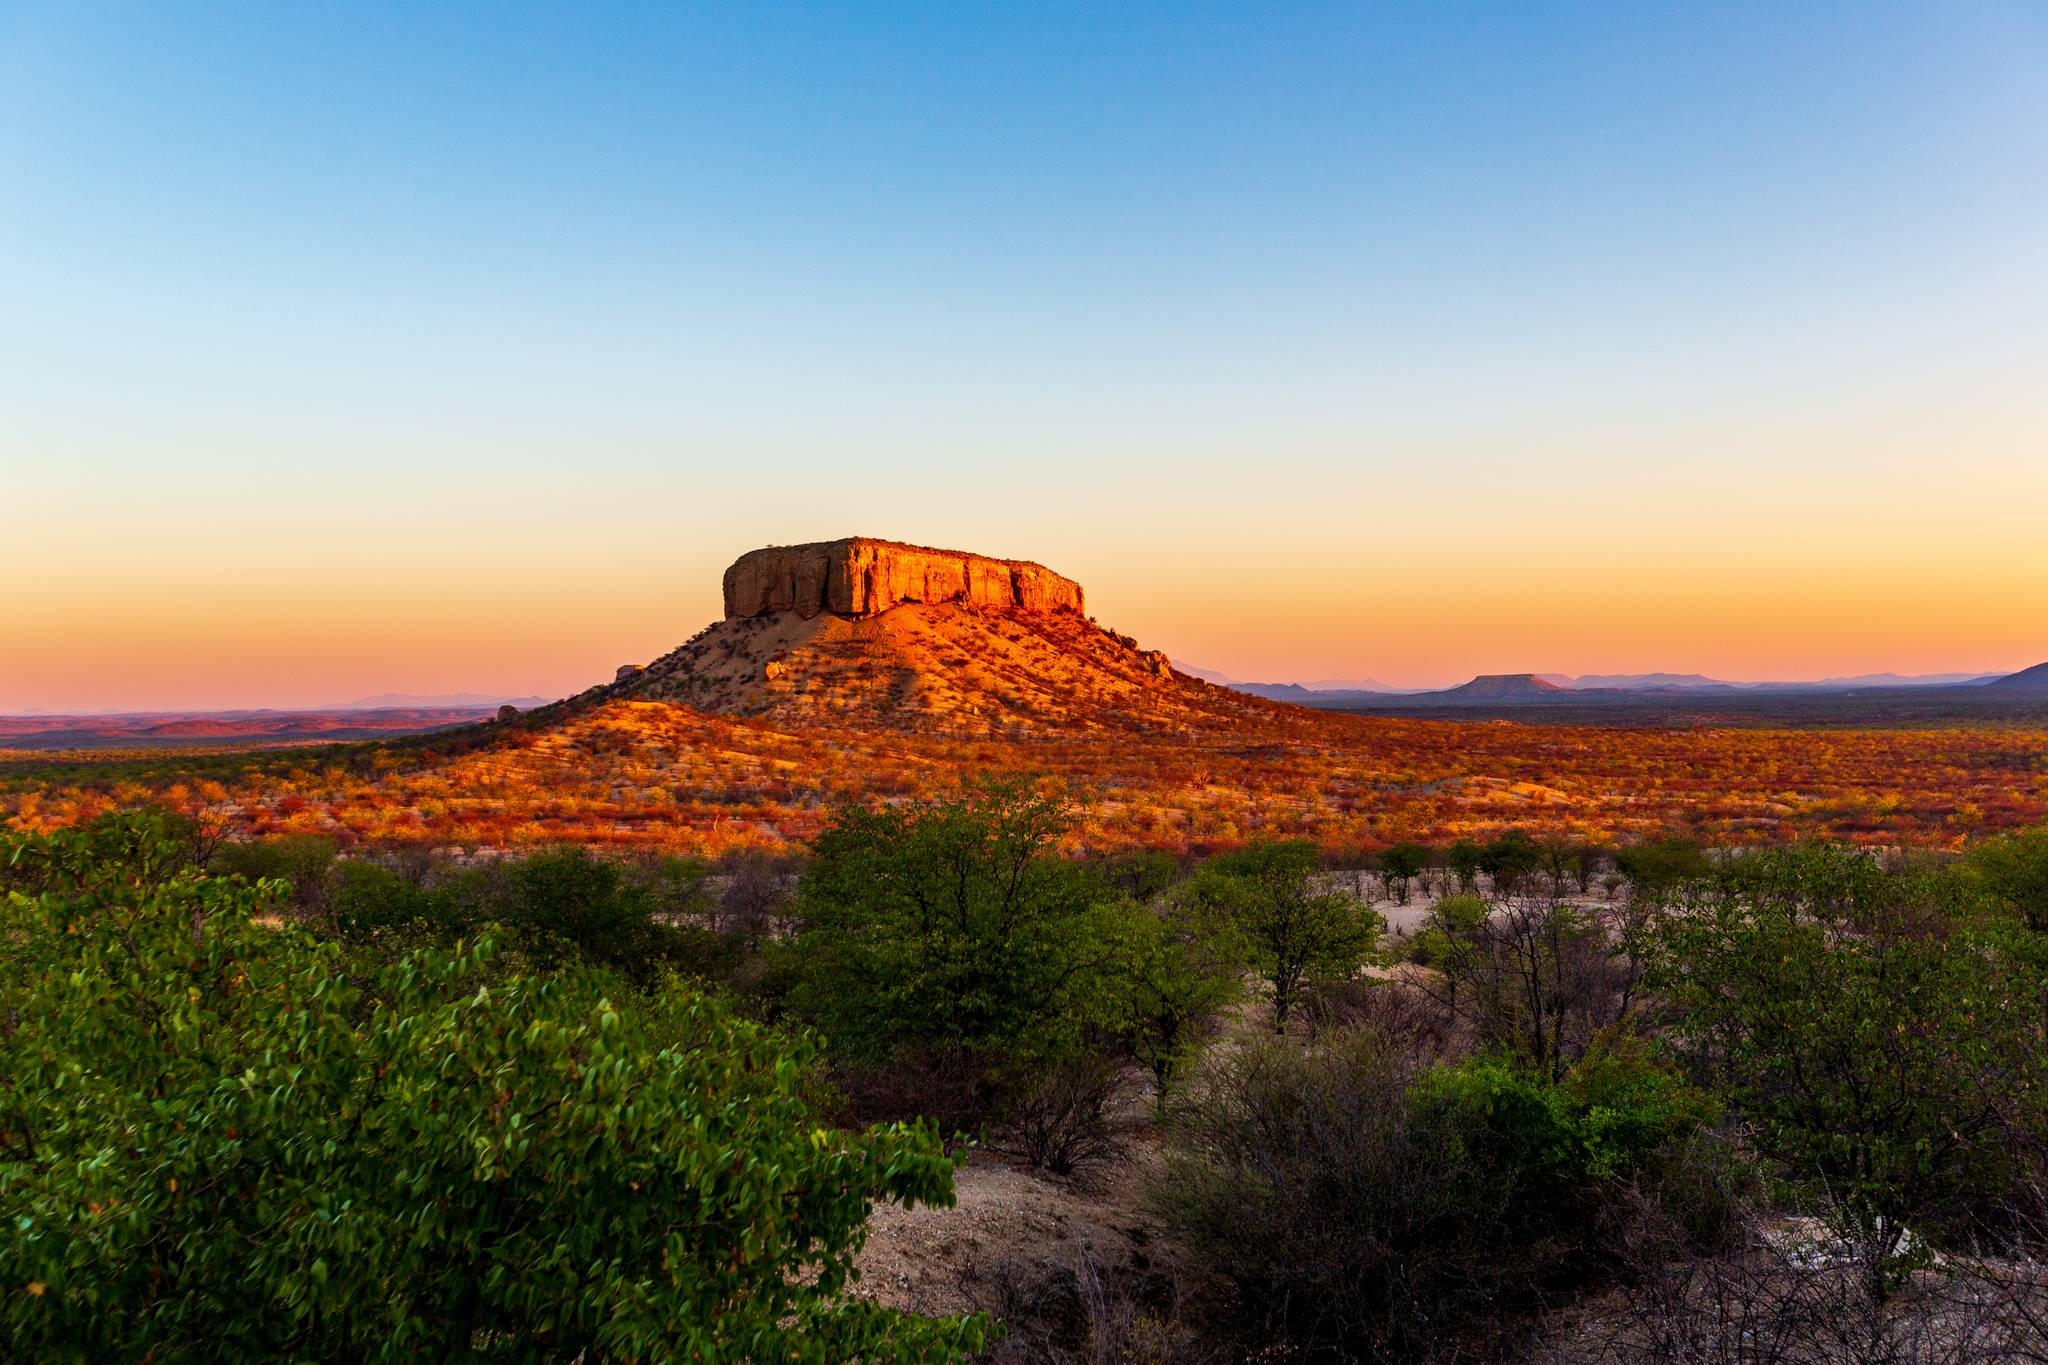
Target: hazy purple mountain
x,y
1491,687
1631,682
2033,679
1320,689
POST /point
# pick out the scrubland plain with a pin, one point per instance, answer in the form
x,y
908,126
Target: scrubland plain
x,y
665,775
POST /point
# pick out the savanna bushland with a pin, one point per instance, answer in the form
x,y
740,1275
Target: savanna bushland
x,y
275,1099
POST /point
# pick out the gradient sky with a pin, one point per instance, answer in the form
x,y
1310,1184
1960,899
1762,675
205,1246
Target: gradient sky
x,y
349,348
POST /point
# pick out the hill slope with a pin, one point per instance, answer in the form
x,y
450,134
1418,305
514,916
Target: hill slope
x,y
2033,679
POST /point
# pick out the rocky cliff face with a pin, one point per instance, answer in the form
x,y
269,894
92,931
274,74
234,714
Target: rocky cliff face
x,y
859,577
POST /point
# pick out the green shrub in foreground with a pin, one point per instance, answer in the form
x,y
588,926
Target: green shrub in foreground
x,y
216,1144
954,926
1364,1209
1881,1036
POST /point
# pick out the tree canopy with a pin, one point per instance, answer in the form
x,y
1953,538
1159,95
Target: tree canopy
x,y
221,1139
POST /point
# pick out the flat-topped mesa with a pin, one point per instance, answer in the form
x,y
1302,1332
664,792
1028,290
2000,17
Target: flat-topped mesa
x,y
862,577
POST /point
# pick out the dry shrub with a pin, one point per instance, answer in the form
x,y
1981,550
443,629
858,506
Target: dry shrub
x,y
951,1087
1752,1307
1060,1120
1097,1314
1389,1008
1767,1294
1300,1180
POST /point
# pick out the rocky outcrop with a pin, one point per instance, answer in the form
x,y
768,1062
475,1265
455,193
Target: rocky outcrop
x,y
862,577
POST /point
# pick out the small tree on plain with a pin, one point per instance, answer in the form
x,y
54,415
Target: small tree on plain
x,y
1292,932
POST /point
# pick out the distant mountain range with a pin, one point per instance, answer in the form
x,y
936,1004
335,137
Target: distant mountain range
x,y
1699,682
1319,689
1512,688
159,729
390,701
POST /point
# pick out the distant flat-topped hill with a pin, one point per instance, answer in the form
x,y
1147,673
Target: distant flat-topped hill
x,y
880,633
1505,687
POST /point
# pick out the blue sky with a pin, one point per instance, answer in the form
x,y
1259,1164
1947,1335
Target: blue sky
x,y
353,347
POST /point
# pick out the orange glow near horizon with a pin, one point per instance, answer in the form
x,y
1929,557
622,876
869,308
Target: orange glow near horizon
x,y
218,631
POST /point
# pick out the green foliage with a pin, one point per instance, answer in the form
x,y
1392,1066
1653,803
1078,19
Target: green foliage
x,y
302,861
1449,934
1587,860
549,909
1180,969
373,904
1362,1210
1660,867
1509,860
1529,1141
1623,1103
1400,865
954,926
1293,934
1877,1036
1464,857
219,1142
137,850
2013,872
568,904
1140,873
1511,1150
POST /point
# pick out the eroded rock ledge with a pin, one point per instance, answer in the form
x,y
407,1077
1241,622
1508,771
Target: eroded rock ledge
x,y
860,577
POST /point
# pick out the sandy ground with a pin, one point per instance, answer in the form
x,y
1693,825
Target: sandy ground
x,y
1403,921
1012,1228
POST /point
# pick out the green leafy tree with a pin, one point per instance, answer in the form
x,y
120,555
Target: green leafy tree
x,y
373,905
1509,859
570,904
1449,939
1293,933
1464,857
1587,860
1182,968
1140,874
1560,860
1536,980
953,925
547,909
140,849
1659,868
220,1141
1400,865
1875,1034
304,861
2013,871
